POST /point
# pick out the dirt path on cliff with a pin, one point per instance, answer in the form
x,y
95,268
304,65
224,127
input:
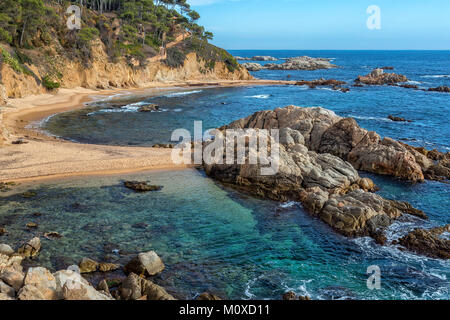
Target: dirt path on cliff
x,y
46,157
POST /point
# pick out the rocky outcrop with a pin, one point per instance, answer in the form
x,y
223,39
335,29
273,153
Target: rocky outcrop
x,y
440,89
316,153
334,84
257,58
252,66
302,63
378,77
428,242
149,108
324,132
398,119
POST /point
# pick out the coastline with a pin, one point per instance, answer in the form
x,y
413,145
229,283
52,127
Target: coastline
x,y
44,157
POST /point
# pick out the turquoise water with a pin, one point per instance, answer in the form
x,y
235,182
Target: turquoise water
x,y
215,239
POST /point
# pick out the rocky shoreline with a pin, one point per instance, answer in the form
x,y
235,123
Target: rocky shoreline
x,y
296,63
319,155
38,283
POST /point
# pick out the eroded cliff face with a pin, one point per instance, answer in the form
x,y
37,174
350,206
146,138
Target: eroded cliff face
x,y
102,74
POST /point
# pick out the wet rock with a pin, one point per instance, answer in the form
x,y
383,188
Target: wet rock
x,y
440,89
304,298
409,86
29,194
2,231
141,186
140,225
32,225
88,265
379,237
31,248
107,267
52,235
428,242
406,207
387,68
206,296
6,249
155,292
146,263
42,280
398,119
290,296
149,108
320,82
367,185
378,77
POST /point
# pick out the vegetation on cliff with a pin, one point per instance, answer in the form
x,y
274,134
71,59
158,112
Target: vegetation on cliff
x,y
37,32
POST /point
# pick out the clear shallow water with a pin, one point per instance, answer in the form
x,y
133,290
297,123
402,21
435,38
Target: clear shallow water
x,y
216,239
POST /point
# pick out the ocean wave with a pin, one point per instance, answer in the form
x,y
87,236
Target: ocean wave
x,y
413,82
437,76
260,96
369,118
180,94
289,204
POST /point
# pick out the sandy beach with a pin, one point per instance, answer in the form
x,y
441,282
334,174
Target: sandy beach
x,y
46,157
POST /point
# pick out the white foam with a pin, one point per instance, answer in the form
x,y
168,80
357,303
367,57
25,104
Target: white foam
x,y
180,94
413,82
289,204
260,96
437,76
369,118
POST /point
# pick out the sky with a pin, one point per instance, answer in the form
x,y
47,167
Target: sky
x,y
326,24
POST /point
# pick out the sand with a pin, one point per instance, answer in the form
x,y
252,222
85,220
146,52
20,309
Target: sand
x,y
46,157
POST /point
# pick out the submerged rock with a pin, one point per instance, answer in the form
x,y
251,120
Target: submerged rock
x,y
428,242
141,186
88,265
378,77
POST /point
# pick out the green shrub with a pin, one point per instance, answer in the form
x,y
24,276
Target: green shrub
x,y
14,63
48,83
175,57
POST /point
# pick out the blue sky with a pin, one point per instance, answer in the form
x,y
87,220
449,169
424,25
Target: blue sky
x,y
326,24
